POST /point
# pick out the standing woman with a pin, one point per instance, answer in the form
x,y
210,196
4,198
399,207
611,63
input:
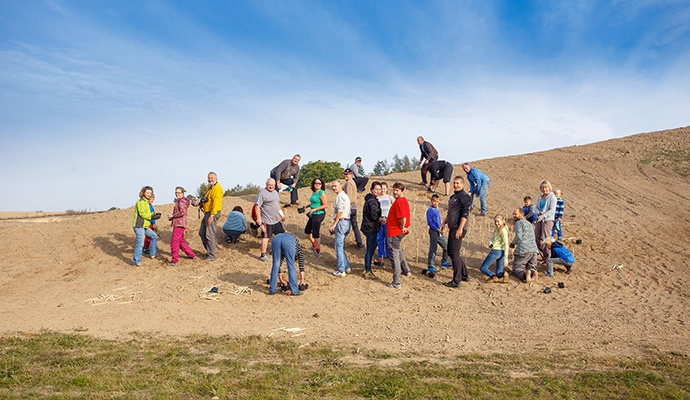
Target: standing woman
x,y
141,226
398,224
371,218
546,207
316,214
179,224
386,201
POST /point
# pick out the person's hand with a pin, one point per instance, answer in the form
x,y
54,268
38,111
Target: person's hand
x,y
405,231
458,234
331,229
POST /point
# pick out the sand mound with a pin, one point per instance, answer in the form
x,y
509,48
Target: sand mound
x,y
627,200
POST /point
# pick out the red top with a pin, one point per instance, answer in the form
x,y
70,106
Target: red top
x,y
399,209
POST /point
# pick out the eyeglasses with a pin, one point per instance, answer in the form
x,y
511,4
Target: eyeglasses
x,y
317,183
179,192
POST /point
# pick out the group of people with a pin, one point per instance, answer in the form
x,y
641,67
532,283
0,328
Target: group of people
x,y
385,223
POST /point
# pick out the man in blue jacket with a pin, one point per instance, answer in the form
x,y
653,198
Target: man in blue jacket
x,y
479,185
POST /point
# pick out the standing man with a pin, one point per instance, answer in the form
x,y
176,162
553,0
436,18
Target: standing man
x,y
287,172
212,208
341,227
350,189
428,155
479,185
456,219
270,214
360,177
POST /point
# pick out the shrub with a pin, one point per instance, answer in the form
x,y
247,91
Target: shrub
x,y
326,170
238,190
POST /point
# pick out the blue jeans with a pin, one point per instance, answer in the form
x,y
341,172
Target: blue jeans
x,y
371,248
342,228
435,240
482,196
493,256
382,242
283,245
139,244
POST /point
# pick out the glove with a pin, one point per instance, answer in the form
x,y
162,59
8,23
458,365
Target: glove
x,y
155,216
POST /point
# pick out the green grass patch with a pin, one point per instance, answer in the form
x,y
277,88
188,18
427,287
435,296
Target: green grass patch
x,y
51,365
678,160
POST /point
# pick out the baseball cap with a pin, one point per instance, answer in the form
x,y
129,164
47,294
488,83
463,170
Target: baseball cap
x,y
348,171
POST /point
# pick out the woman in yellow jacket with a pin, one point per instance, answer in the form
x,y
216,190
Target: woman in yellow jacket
x,y
141,225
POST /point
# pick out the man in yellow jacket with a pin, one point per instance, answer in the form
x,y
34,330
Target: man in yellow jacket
x,y
212,208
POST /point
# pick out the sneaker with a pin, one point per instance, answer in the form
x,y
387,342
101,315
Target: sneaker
x,y
340,273
360,246
209,259
263,257
172,264
348,270
446,264
452,284
137,264
433,270
394,286
408,273
369,275
153,257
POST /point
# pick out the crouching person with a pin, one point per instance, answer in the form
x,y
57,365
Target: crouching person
x,y
285,245
559,255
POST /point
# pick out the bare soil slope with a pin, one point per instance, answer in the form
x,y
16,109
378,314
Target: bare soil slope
x,y
627,200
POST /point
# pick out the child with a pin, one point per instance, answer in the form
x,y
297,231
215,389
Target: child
x,y
153,227
499,251
386,201
178,220
529,210
436,238
559,255
558,217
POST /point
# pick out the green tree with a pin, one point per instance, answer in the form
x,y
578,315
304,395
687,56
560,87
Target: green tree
x,y
381,168
202,190
326,170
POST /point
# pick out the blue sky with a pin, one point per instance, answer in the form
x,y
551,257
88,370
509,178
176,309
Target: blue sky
x,y
102,97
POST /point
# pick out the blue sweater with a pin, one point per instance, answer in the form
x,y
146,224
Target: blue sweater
x,y
433,218
559,251
476,178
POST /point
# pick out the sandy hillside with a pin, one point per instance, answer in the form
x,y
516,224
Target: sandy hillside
x,y
623,200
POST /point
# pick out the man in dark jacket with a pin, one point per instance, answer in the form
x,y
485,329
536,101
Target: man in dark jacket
x,y
371,218
428,155
456,219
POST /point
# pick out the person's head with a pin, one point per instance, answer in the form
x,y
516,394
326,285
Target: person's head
x,y
398,189
545,187
316,184
558,193
152,198
548,242
348,174
238,208
434,200
528,200
384,188
337,186
295,159
499,221
466,167
458,183
179,192
146,192
358,160
518,214
270,184
375,188
212,178
420,140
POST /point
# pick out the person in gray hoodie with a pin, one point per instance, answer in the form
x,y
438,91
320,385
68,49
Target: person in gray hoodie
x,y
525,245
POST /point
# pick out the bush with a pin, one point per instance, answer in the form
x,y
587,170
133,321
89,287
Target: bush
x,y
238,190
326,170
404,164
